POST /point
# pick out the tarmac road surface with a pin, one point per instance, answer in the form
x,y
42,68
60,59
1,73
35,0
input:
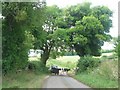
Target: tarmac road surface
x,y
62,82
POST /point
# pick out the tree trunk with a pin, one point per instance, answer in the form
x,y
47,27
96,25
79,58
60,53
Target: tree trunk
x,y
45,57
80,51
46,53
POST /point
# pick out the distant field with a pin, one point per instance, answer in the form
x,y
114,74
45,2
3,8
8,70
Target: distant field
x,y
107,54
33,59
62,58
68,58
65,61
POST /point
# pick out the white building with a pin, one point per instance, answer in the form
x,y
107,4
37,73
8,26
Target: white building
x,y
35,53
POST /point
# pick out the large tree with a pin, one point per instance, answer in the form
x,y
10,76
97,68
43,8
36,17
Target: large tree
x,y
49,39
77,27
87,27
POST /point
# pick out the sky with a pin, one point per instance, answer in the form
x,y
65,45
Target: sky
x,y
111,4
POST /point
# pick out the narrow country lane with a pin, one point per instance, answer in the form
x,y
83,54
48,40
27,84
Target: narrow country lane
x,y
62,82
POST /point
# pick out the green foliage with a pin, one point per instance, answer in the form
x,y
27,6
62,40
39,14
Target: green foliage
x,y
38,67
53,30
70,53
118,52
103,13
59,37
87,27
17,38
25,78
14,50
79,27
46,34
116,42
77,12
53,55
103,76
87,62
52,42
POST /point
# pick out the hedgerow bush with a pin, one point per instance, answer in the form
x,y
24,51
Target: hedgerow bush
x,y
87,62
38,66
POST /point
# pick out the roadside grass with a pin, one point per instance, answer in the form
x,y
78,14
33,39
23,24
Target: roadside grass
x,y
26,78
96,81
104,76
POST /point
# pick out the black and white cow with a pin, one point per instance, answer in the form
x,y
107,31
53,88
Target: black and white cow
x,y
66,69
59,71
55,70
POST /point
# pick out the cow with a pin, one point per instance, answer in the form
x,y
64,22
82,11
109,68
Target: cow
x,y
59,71
55,70
66,69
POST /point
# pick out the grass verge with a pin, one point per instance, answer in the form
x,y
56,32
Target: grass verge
x,y
24,79
96,81
104,76
27,78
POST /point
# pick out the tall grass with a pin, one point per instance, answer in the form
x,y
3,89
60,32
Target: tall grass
x,y
26,78
23,80
96,81
108,69
103,76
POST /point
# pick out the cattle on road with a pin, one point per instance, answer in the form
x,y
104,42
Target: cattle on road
x,y
59,71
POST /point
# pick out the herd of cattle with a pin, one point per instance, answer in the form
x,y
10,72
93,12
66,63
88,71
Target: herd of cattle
x,y
59,71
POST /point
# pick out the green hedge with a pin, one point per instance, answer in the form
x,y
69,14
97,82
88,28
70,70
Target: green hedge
x,y
87,62
37,66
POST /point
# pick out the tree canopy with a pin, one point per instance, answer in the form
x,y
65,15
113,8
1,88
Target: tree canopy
x,y
34,25
87,27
